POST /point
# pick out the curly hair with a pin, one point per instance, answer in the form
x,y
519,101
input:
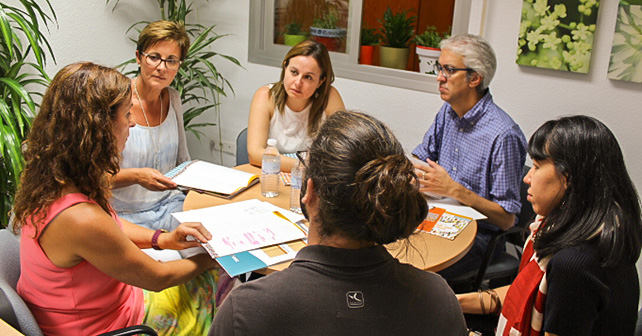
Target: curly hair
x,y
72,142
367,187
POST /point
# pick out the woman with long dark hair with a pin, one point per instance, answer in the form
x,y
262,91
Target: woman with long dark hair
x,y
578,274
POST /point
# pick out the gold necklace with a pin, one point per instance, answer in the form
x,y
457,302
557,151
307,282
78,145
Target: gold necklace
x,y
155,144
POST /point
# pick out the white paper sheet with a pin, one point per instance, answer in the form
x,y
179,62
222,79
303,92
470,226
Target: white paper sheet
x,y
242,226
452,205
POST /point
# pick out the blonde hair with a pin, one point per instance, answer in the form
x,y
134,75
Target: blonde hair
x,y
164,31
321,95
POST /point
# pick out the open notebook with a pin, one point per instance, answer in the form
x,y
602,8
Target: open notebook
x,y
212,179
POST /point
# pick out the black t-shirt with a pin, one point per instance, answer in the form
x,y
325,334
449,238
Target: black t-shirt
x,y
331,291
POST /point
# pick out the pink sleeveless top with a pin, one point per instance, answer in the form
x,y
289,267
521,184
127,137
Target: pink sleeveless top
x,y
79,300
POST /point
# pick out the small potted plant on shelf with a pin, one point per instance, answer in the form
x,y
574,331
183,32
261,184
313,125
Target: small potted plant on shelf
x,y
369,39
325,31
397,32
428,49
293,34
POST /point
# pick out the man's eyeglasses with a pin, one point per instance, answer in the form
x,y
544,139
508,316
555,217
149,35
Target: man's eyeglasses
x,y
448,71
302,155
155,60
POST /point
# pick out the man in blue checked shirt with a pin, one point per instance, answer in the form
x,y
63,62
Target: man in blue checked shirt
x,y
474,150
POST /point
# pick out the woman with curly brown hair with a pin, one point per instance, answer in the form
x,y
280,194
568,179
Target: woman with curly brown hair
x,y
360,193
80,264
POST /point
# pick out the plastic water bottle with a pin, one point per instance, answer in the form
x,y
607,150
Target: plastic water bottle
x,y
296,181
270,169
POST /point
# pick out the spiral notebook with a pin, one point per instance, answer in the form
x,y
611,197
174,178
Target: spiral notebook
x,y
212,179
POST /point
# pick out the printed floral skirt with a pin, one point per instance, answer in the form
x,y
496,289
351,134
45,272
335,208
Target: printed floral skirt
x,y
187,309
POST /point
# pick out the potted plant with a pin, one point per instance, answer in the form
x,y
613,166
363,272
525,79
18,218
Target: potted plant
x,y
397,32
428,49
369,39
293,34
325,31
23,51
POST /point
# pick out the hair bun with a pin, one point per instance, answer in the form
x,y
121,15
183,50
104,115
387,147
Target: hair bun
x,y
389,186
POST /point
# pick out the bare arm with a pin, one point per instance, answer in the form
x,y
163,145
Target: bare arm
x,y
258,127
335,103
435,179
86,232
175,240
148,178
470,302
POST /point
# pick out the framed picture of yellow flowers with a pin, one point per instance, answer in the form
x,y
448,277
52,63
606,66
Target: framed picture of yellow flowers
x,y
557,34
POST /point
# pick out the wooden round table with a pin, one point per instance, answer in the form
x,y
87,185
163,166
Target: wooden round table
x,y
422,250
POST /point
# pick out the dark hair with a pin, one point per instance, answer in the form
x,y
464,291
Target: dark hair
x,y
366,186
164,31
321,95
72,141
600,203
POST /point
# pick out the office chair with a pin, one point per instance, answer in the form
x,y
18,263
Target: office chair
x,y
241,148
638,326
13,309
503,270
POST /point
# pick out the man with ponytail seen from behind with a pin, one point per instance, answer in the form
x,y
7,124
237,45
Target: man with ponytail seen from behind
x,y
359,193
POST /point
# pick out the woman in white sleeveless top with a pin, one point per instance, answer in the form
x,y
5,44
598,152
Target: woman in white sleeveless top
x,y
292,109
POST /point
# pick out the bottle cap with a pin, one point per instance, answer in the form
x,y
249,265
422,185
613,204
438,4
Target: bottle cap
x,y
271,142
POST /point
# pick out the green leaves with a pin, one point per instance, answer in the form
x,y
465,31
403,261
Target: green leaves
x,y
431,37
397,28
20,40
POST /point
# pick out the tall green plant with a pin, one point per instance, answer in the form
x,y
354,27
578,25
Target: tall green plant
x,y
198,81
23,52
397,28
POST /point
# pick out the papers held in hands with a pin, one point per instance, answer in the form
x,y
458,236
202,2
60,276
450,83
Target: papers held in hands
x,y
212,179
249,235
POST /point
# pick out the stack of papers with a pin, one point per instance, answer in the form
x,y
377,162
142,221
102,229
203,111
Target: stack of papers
x,y
249,235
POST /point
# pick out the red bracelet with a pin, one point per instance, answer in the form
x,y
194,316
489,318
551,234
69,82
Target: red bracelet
x,y
155,239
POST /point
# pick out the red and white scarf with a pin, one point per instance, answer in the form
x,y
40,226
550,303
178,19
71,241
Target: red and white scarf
x,y
523,310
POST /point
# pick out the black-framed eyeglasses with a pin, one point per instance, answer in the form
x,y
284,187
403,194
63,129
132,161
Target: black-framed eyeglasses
x,y
448,71
155,60
302,155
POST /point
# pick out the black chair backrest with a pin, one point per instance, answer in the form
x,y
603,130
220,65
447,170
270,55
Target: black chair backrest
x,y
526,214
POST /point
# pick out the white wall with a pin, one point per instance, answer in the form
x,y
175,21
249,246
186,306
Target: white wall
x,y
89,30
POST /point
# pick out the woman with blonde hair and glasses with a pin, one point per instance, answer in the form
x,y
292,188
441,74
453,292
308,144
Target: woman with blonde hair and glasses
x,y
157,143
81,266
292,109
